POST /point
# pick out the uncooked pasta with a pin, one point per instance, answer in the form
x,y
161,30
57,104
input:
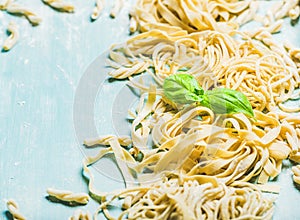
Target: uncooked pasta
x,y
191,144
296,174
4,4
60,5
118,5
13,37
97,9
13,209
266,75
193,16
68,196
200,164
15,8
81,215
172,199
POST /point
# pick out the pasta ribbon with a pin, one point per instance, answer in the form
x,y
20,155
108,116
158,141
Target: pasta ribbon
x,y
4,4
13,37
193,16
15,8
97,9
60,5
81,215
13,209
118,4
171,199
296,174
68,196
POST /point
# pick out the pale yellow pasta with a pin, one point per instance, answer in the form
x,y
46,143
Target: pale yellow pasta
x,y
188,199
118,4
133,26
294,13
97,9
285,8
265,32
81,215
60,5
13,37
68,196
200,162
15,8
256,149
4,4
267,75
296,174
288,109
228,149
13,209
193,16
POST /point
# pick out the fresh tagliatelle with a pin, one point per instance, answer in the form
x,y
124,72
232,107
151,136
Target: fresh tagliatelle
x,y
193,16
172,199
193,146
186,161
13,209
296,174
13,37
15,8
4,4
99,5
265,74
60,5
221,150
68,196
81,215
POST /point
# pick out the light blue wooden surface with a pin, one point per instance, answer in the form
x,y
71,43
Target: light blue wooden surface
x,y
38,81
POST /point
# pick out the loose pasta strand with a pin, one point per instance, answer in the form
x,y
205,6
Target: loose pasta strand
x,y
68,196
13,209
81,215
191,200
15,8
4,4
60,5
13,37
296,174
97,9
118,4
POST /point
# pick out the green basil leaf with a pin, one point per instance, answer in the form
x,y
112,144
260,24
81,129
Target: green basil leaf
x,y
182,89
227,101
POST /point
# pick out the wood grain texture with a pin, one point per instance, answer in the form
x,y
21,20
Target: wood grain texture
x,y
38,81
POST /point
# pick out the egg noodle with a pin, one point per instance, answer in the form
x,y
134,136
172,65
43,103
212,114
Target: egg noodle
x,y
60,5
13,209
296,174
190,200
18,9
99,5
12,38
68,196
81,215
200,164
219,15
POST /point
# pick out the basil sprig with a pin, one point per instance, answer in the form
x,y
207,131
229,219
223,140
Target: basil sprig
x,y
184,89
